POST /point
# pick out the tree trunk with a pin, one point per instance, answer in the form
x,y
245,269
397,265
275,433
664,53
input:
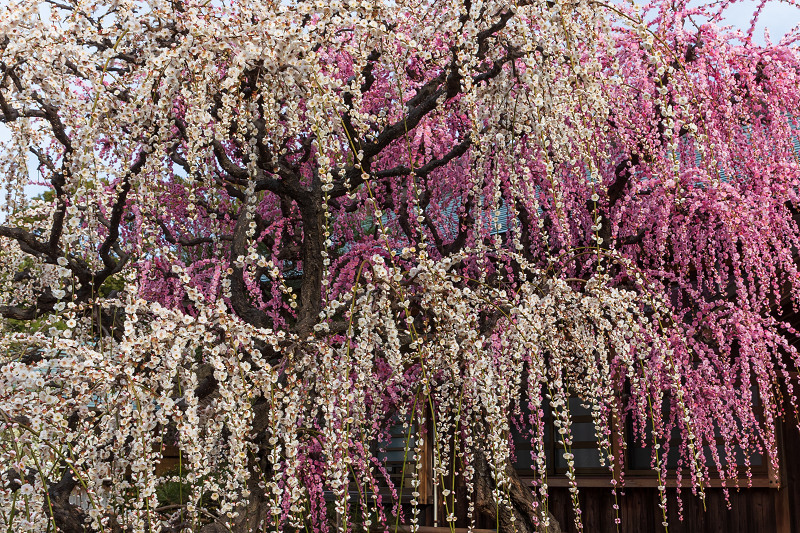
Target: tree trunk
x,y
313,244
69,518
253,511
521,516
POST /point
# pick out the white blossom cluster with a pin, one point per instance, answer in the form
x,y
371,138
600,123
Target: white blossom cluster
x,y
205,159
105,411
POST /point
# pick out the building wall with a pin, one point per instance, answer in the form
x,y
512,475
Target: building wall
x,y
752,511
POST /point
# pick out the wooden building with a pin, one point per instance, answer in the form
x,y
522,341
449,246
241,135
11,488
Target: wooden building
x,y
771,504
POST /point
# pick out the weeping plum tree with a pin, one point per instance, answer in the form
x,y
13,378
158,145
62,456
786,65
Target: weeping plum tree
x,y
274,229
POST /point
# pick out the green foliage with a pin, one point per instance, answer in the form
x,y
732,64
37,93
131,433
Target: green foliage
x,y
173,492
113,283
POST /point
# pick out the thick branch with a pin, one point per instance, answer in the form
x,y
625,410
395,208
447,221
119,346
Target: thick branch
x,y
44,304
112,266
183,241
240,298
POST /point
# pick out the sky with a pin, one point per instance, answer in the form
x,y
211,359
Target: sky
x,y
778,18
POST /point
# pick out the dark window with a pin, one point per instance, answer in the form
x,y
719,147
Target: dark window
x,y
584,448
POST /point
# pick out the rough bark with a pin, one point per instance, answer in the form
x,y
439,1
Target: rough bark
x,y
519,516
313,244
252,512
240,298
69,518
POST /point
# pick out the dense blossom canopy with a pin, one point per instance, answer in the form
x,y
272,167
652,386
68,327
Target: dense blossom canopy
x,y
274,229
